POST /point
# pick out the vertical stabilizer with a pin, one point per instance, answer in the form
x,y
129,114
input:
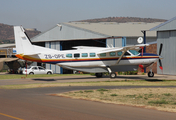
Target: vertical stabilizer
x,y
23,44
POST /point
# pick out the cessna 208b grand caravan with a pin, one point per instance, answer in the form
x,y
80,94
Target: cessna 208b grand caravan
x,y
87,59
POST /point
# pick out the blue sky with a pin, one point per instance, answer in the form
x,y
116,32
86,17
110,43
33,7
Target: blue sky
x,y
44,14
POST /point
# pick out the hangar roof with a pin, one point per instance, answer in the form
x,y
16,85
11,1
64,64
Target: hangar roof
x,y
168,25
130,29
102,30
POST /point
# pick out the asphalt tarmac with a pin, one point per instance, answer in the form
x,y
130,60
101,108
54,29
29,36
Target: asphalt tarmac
x,y
38,104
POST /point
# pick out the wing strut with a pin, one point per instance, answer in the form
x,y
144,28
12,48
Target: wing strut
x,y
121,57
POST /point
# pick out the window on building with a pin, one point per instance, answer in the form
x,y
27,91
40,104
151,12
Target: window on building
x,y
112,54
92,54
84,55
76,55
69,55
103,54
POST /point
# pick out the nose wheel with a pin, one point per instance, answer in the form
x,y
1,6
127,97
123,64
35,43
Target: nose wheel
x,y
111,73
150,74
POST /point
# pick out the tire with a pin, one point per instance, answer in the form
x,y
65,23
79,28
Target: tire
x,y
49,72
112,75
31,73
98,75
150,74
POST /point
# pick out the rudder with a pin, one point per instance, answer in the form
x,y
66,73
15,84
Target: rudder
x,y
22,41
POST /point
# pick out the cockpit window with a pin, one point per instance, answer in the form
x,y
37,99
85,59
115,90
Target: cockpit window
x,y
134,52
126,54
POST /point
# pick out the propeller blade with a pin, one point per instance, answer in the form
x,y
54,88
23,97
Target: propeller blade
x,y
160,50
160,65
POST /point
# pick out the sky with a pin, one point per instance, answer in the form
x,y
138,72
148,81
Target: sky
x,y
45,14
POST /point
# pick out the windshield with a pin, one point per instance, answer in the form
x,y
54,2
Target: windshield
x,y
134,52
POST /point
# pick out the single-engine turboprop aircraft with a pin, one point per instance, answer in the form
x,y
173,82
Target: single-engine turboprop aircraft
x,y
87,59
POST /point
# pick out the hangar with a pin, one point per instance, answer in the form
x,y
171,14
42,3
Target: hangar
x,y
64,36
166,34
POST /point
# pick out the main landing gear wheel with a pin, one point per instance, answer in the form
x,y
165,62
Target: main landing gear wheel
x,y
98,75
112,75
150,74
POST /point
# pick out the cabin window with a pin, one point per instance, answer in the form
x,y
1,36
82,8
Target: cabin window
x,y
112,54
103,54
92,54
119,53
69,55
134,52
84,55
76,55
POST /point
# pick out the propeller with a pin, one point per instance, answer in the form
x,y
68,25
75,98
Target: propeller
x,y
161,47
160,50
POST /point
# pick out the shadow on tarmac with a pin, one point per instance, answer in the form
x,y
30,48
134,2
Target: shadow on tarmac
x,y
135,77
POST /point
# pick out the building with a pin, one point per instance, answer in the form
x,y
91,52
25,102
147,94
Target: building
x,y
104,34
166,34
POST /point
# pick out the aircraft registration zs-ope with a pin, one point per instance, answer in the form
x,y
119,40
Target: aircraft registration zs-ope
x,y
87,59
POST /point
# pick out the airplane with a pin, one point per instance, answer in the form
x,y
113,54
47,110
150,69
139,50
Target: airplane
x,y
96,60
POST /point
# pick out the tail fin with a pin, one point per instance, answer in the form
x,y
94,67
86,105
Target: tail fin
x,y
22,41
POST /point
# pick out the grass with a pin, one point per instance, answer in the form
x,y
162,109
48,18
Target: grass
x,y
158,98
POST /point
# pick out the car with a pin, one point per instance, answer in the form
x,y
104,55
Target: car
x,y
37,70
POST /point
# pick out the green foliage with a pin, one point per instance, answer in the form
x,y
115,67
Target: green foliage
x,y
114,95
167,94
80,91
128,73
102,89
158,102
88,91
140,96
131,96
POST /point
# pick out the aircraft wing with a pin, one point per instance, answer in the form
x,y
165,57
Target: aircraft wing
x,y
123,49
126,48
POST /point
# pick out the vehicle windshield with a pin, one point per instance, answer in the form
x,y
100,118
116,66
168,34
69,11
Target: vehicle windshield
x,y
29,67
134,52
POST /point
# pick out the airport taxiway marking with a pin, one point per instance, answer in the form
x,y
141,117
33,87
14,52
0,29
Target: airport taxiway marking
x,y
11,116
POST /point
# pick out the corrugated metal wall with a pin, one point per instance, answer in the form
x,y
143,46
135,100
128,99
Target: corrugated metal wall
x,y
115,42
53,45
168,38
